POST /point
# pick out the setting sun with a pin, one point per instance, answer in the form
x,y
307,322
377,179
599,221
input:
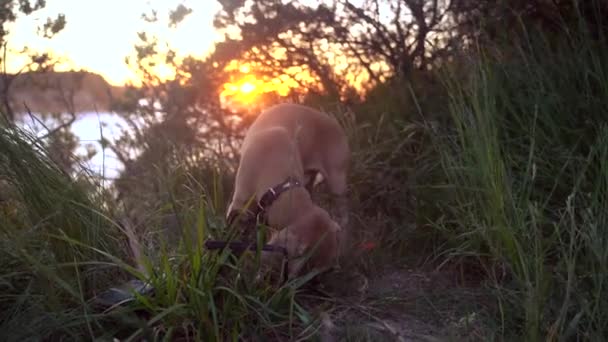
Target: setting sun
x,y
244,91
247,88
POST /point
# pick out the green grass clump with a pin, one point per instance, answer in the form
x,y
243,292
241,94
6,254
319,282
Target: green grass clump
x,y
42,273
60,249
527,160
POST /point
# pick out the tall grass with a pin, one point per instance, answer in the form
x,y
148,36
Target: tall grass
x,y
527,159
60,249
43,209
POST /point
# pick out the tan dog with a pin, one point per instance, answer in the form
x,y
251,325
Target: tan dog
x,y
321,143
293,141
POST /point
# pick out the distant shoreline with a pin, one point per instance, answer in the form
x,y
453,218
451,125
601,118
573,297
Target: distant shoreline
x,y
60,92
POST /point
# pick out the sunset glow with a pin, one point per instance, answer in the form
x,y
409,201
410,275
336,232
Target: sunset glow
x,y
247,88
243,91
92,42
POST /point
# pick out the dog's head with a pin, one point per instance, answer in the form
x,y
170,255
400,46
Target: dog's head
x,y
311,243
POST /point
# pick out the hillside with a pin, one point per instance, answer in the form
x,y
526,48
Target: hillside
x,y
55,92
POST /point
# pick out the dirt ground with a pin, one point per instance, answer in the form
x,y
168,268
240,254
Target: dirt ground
x,y
400,304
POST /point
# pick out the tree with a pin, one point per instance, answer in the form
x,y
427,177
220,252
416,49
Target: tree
x,y
339,45
173,124
10,10
60,142
491,21
280,39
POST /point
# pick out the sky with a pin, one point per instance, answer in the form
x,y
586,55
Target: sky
x,y
99,34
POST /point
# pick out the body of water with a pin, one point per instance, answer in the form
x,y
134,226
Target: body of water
x,y
89,129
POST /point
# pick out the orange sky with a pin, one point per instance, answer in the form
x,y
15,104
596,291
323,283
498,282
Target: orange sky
x,y
100,33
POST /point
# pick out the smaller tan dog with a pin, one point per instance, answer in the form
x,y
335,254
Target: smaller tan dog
x,y
287,146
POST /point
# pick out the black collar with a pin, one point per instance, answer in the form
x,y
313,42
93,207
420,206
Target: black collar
x,y
272,194
255,214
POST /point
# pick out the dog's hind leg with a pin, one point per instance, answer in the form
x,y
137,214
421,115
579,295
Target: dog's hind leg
x,y
336,166
336,182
